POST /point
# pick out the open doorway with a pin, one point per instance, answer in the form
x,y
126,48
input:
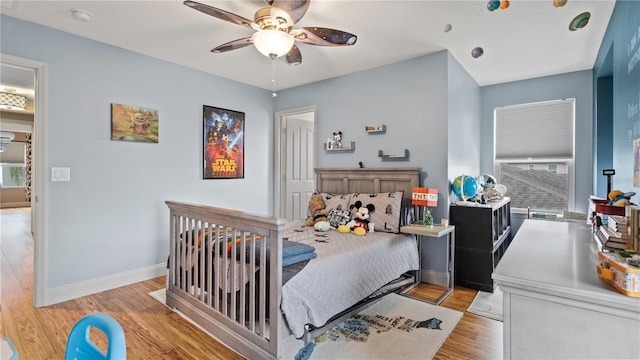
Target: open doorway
x,y
29,77
294,161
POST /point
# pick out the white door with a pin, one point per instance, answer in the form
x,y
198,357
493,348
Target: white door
x,y
299,176
294,151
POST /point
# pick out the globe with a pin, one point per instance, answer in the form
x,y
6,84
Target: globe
x,y
465,187
487,181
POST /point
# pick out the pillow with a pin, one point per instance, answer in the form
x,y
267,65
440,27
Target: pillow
x,y
335,201
338,217
407,216
386,216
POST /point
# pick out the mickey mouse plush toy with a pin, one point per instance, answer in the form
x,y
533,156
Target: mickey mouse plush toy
x,y
360,224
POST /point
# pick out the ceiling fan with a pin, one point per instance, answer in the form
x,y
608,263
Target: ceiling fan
x,y
275,35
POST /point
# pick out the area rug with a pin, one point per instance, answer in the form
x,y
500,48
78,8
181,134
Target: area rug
x,y
396,327
487,304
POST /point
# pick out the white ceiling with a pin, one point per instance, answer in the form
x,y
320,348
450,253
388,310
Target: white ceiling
x,y
530,38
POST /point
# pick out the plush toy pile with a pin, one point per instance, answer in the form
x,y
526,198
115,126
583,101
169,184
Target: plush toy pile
x,y
618,198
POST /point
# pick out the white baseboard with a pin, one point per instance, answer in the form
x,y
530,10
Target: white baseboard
x,y
435,277
92,286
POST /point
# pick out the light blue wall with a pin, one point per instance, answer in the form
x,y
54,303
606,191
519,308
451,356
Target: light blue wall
x,y
576,85
407,96
623,36
418,100
111,216
464,124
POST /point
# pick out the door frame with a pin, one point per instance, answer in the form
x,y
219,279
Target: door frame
x,y
39,167
279,158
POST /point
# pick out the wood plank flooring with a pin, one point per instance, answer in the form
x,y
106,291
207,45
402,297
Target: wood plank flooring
x,y
153,331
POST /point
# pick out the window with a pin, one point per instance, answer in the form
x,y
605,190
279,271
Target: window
x,y
12,165
534,154
13,175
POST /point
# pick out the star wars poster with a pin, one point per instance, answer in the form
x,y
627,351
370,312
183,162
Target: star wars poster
x,y
223,143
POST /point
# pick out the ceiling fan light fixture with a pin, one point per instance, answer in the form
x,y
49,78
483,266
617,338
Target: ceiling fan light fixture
x,y
9,101
272,43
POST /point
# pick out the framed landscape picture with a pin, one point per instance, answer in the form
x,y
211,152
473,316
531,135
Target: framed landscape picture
x,y
223,143
133,123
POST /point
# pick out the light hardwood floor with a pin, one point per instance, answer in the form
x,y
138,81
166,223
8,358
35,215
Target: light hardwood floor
x,y
152,331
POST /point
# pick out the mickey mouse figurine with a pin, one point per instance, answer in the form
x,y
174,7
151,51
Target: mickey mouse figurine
x,y
337,140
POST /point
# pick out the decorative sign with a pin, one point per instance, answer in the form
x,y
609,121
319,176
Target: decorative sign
x,y
424,197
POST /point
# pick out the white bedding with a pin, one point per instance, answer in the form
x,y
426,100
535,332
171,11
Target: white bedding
x,y
348,269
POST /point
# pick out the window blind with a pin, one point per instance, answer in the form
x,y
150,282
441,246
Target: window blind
x,y
540,130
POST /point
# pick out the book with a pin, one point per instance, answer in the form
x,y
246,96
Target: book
x,y
632,215
617,223
616,236
608,243
608,232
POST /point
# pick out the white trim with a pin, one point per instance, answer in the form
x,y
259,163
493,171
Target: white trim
x,y
39,184
278,173
92,286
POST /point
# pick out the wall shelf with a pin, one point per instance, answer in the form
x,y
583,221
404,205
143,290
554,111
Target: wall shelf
x,y
403,156
349,146
372,129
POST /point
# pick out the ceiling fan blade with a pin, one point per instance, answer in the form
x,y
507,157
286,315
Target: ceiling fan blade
x,y
293,57
295,8
324,36
220,14
232,45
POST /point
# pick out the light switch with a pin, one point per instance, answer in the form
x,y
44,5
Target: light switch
x,y
60,174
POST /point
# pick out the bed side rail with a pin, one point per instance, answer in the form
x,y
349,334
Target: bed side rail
x,y
221,273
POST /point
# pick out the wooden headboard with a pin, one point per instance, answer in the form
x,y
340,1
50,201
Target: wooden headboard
x,y
367,180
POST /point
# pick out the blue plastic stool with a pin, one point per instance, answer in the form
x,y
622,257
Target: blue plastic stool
x,y
7,351
80,347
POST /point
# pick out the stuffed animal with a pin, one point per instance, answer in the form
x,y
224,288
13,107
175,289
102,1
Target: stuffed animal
x,y
337,140
618,198
317,210
359,224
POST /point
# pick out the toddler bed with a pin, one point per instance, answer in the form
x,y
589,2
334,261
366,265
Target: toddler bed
x,y
258,301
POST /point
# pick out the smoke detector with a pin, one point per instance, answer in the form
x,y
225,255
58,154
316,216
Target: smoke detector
x,y
81,15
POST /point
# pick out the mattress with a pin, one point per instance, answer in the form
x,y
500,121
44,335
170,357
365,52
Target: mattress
x,y
348,268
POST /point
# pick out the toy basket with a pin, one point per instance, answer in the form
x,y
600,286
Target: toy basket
x,y
622,276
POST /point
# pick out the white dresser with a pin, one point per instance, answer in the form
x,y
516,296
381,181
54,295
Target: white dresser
x,y
555,306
